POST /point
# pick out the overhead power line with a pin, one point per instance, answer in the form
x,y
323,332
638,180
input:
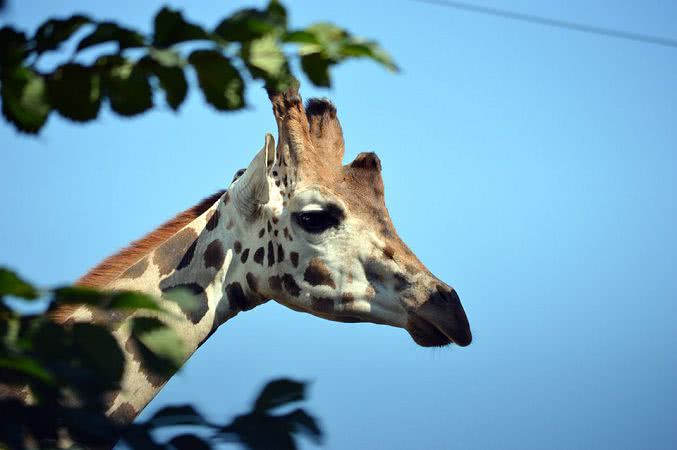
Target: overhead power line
x,y
648,39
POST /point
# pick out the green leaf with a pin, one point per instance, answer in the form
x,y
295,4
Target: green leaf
x,y
100,349
112,32
76,295
27,366
133,300
75,92
249,24
300,37
13,48
167,67
177,415
186,300
161,348
277,14
316,67
126,86
264,58
189,442
48,340
220,82
328,38
279,392
24,100
368,49
11,284
171,28
173,82
55,31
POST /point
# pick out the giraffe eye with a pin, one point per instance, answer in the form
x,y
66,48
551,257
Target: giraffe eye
x,y
318,221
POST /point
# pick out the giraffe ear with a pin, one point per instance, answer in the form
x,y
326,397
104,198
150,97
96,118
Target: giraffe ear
x,y
252,189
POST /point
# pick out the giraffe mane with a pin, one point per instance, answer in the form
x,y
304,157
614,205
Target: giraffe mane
x,y
113,266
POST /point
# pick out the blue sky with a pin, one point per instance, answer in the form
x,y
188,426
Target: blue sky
x,y
532,168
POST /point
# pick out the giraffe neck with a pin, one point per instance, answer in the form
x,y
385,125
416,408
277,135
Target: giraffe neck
x,y
206,257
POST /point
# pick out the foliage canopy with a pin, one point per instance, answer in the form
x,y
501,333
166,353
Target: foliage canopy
x,y
251,44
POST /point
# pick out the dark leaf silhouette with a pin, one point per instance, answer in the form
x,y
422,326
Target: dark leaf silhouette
x,y
221,83
112,32
69,369
75,92
189,442
316,69
101,351
250,23
278,393
24,99
305,424
177,415
13,48
126,85
53,32
258,39
171,28
169,72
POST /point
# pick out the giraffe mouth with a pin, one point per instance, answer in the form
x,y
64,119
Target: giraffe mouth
x,y
440,321
425,333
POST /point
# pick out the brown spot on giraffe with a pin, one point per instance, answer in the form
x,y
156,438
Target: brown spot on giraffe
x,y
347,297
188,257
275,219
252,282
168,256
258,255
124,414
237,299
317,273
275,283
214,255
230,224
133,348
213,220
198,311
290,285
262,232
271,254
389,252
136,270
108,399
237,246
294,257
244,256
323,304
270,227
280,253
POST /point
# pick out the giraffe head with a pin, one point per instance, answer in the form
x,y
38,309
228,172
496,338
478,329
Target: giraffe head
x,y
319,238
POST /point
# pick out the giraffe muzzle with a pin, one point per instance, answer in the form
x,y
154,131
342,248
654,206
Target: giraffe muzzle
x,y
440,321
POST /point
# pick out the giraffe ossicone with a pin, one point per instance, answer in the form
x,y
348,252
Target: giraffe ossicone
x,y
298,227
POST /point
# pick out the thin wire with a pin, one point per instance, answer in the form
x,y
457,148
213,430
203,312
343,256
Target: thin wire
x,y
648,39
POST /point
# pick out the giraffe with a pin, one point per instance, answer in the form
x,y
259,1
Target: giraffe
x,y
295,226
